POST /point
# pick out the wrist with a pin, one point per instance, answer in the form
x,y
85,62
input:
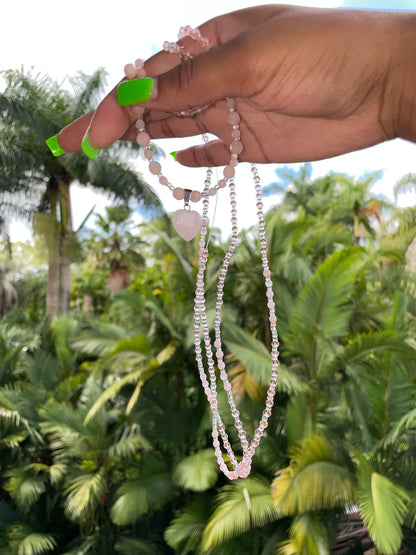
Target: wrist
x,y
399,103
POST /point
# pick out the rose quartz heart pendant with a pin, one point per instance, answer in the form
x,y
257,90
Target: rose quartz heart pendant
x,y
187,223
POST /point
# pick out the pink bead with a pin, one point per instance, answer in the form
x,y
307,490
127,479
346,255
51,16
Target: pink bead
x,y
269,293
233,475
267,273
141,73
155,168
236,134
229,172
233,118
230,103
148,153
227,387
143,138
272,319
163,180
217,344
130,71
212,191
236,147
178,193
140,124
139,63
195,196
221,365
222,183
219,353
139,110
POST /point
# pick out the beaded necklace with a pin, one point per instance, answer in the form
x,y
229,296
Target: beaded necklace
x,y
188,223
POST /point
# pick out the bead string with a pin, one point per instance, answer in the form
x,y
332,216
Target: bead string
x,y
242,468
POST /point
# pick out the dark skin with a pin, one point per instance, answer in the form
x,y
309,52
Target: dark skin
x,y
309,84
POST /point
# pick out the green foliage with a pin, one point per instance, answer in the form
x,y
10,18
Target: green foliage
x,y
105,433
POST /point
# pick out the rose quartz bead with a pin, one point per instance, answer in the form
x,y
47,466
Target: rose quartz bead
x,y
267,273
195,196
229,172
236,134
139,63
222,183
178,193
217,344
212,191
163,180
155,168
143,138
227,387
139,110
141,73
148,153
236,147
273,319
233,118
130,71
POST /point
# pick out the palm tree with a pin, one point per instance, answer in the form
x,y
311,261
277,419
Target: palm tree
x,y
34,108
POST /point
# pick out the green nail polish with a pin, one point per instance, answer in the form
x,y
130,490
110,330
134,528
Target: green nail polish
x,y
173,154
54,145
87,147
134,91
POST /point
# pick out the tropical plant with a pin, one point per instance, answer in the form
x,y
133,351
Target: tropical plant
x,y
32,181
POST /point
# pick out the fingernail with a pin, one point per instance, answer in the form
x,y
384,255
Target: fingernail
x,y
173,154
87,148
54,145
136,91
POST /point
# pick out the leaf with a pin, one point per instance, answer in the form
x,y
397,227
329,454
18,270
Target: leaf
x,y
384,505
150,491
184,533
317,478
257,359
308,537
25,541
198,472
83,494
240,506
322,308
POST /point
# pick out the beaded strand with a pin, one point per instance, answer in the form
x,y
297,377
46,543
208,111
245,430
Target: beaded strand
x,y
242,468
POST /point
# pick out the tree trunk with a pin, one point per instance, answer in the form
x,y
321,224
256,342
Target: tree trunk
x,y
52,243
64,259
57,237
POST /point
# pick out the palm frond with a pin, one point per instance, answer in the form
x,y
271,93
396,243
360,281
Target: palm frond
x,y
150,491
308,537
257,359
83,495
197,472
384,506
240,506
24,486
323,308
184,533
316,479
24,541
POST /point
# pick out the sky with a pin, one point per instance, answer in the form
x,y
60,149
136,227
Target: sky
x,y
60,39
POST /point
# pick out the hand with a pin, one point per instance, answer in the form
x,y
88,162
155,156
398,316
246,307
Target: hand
x,y
309,84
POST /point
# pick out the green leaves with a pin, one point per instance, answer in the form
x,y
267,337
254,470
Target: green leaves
x,y
149,491
384,505
317,478
240,506
198,472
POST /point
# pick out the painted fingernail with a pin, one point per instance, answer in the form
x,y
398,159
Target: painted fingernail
x,y
173,154
54,145
87,148
136,91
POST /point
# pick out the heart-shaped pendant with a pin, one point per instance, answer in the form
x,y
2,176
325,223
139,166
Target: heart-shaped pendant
x,y
187,223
